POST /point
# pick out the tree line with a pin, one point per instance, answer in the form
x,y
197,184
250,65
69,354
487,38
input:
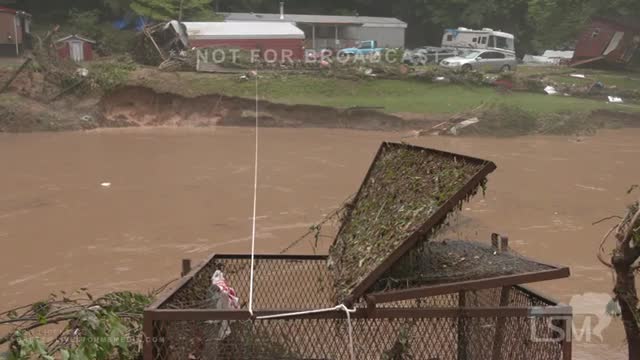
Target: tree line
x,y
537,24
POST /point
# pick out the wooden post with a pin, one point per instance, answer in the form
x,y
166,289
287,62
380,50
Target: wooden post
x,y
567,341
462,333
498,339
186,267
495,241
499,242
147,336
15,33
504,243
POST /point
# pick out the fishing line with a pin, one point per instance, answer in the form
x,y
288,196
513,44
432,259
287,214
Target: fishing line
x,y
341,307
255,200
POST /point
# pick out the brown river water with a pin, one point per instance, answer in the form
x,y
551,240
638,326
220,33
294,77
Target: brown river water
x,y
186,193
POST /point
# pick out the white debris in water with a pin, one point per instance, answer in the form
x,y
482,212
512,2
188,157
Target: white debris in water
x,y
615,99
550,90
464,124
581,76
587,187
105,184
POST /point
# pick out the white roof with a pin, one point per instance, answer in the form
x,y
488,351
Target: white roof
x,y
75,37
483,31
242,30
369,21
504,34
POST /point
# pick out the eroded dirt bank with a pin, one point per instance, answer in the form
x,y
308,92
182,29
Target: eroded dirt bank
x,y
136,106
140,106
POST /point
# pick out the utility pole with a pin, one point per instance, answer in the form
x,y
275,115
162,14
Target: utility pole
x,y
180,16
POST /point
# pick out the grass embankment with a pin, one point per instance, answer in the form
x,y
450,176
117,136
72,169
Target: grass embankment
x,y
624,80
392,95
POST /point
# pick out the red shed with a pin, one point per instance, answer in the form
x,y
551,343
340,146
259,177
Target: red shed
x,y
75,47
614,41
274,40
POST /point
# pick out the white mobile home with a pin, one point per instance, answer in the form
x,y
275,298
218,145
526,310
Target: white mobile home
x,y
479,39
336,32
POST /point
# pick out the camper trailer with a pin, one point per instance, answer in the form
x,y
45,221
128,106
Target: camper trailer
x,y
463,38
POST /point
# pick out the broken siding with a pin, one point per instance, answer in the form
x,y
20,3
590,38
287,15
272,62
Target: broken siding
x,y
595,39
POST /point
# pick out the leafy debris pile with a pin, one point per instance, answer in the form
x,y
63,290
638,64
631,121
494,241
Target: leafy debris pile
x,y
434,263
405,187
82,327
504,120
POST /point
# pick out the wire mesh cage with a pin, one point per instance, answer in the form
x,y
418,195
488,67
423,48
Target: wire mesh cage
x,y
496,323
413,298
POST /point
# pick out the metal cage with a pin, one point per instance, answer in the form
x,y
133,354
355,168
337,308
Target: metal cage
x,y
503,322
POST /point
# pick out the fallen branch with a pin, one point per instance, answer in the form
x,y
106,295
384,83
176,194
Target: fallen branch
x,y
605,219
625,255
15,74
155,44
318,227
66,90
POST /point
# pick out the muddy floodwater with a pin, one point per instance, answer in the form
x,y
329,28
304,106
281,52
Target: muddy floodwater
x,y
119,209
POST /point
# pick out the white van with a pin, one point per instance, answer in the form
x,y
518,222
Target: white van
x,y
463,38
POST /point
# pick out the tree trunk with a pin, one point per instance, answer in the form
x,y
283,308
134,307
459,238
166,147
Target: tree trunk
x,y
625,291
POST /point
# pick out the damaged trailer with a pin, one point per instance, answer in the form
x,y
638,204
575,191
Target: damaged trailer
x,y
157,43
608,41
270,40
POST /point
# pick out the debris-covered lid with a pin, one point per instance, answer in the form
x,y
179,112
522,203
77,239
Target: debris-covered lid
x,y
406,195
442,267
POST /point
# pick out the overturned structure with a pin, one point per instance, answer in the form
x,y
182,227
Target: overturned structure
x,y
414,298
607,41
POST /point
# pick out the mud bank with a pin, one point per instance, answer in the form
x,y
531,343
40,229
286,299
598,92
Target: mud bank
x,y
140,106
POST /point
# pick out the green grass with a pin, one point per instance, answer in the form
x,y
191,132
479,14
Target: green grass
x,y
393,95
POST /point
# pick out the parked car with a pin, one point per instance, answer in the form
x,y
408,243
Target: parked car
x,y
487,61
428,54
368,47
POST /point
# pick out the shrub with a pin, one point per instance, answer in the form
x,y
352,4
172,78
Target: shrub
x,y
108,75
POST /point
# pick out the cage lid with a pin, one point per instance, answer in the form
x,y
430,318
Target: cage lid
x,y
433,268
406,195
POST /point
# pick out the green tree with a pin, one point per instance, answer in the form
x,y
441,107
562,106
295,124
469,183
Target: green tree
x,y
170,9
117,7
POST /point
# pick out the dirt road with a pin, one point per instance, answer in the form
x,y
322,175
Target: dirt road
x,y
177,193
